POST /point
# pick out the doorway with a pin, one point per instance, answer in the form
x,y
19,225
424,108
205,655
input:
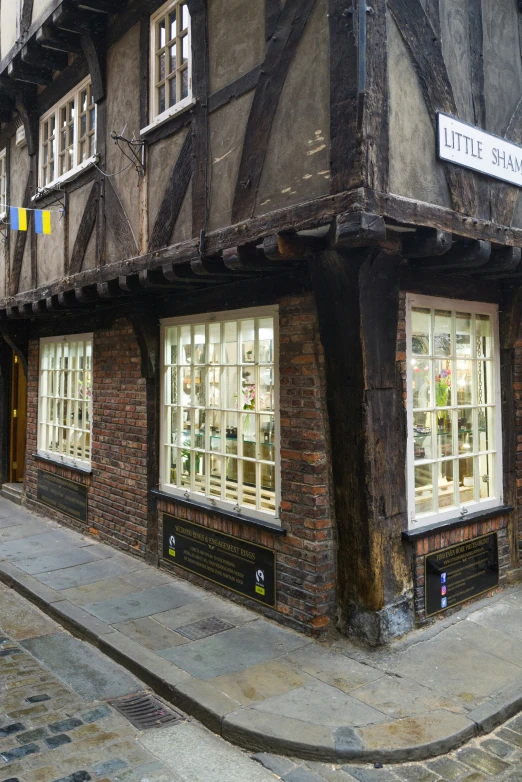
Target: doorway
x,y
18,421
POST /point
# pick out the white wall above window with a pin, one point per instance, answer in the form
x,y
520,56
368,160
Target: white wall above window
x,y
454,453
67,136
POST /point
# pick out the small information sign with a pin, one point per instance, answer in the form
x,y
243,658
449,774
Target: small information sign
x,y
233,563
62,494
458,573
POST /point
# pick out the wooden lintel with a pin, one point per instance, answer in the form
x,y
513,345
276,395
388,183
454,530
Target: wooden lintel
x,y
426,243
87,294
209,267
463,255
180,276
358,229
109,290
39,307
249,259
153,278
129,283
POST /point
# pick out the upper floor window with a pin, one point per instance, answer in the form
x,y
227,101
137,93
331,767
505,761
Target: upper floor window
x,y
171,67
65,399
453,400
3,182
68,135
220,425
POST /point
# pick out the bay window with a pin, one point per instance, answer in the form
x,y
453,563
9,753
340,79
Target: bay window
x,y
453,405
65,399
219,426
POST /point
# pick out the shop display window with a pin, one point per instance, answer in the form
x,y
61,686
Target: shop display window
x,y
65,399
219,410
453,400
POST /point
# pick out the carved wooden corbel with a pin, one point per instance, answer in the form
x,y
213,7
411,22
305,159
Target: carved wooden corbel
x,y
146,328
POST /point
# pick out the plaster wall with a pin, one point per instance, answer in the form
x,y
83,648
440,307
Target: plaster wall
x,y
414,169
297,162
162,158
455,23
39,7
76,204
50,265
123,92
236,39
7,26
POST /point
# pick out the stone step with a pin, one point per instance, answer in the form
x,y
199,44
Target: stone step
x,y
13,492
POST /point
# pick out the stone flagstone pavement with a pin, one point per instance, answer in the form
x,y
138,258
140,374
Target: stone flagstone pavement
x,y
257,684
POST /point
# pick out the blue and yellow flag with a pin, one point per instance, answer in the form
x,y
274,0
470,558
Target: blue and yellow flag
x,y
42,221
18,218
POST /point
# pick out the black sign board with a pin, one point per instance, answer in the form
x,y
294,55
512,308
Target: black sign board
x,y
61,494
233,563
458,573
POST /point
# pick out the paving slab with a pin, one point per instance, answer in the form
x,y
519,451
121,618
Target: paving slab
x,y
94,593
321,704
399,698
204,608
451,665
502,616
150,634
196,755
79,575
64,559
24,530
144,603
234,649
81,667
43,543
260,682
19,622
332,668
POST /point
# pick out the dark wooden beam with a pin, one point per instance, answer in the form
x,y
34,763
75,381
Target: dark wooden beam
x,y
51,38
279,54
358,229
146,329
85,230
272,11
235,89
26,17
463,255
426,52
21,239
27,106
173,197
248,258
52,59
20,71
94,50
426,242
503,259
199,128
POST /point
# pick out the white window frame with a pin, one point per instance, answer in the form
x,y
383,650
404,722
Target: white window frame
x,y
183,104
3,184
77,167
42,450
199,498
434,518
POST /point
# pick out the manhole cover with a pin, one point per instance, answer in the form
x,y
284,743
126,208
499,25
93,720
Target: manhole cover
x,y
145,710
204,627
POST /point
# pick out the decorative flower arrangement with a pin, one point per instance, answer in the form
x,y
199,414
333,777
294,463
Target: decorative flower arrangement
x,y
249,394
442,387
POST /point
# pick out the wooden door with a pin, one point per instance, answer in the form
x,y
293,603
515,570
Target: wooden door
x,y
18,421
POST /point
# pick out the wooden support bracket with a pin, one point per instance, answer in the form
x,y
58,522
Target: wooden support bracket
x,y
357,229
21,71
503,259
426,243
291,247
146,328
17,337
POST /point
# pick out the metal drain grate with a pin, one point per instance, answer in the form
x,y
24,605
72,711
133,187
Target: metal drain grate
x,y
204,628
144,710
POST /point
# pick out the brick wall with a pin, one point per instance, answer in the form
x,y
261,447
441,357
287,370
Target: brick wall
x,y
306,555
118,490
517,386
438,540
118,484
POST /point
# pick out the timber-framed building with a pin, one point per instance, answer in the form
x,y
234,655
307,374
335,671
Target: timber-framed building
x,y
268,336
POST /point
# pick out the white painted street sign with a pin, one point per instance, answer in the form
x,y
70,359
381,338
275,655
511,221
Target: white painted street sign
x,y
473,148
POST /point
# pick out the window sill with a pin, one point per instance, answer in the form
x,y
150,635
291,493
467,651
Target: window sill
x,y
70,175
61,463
471,518
169,114
247,520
